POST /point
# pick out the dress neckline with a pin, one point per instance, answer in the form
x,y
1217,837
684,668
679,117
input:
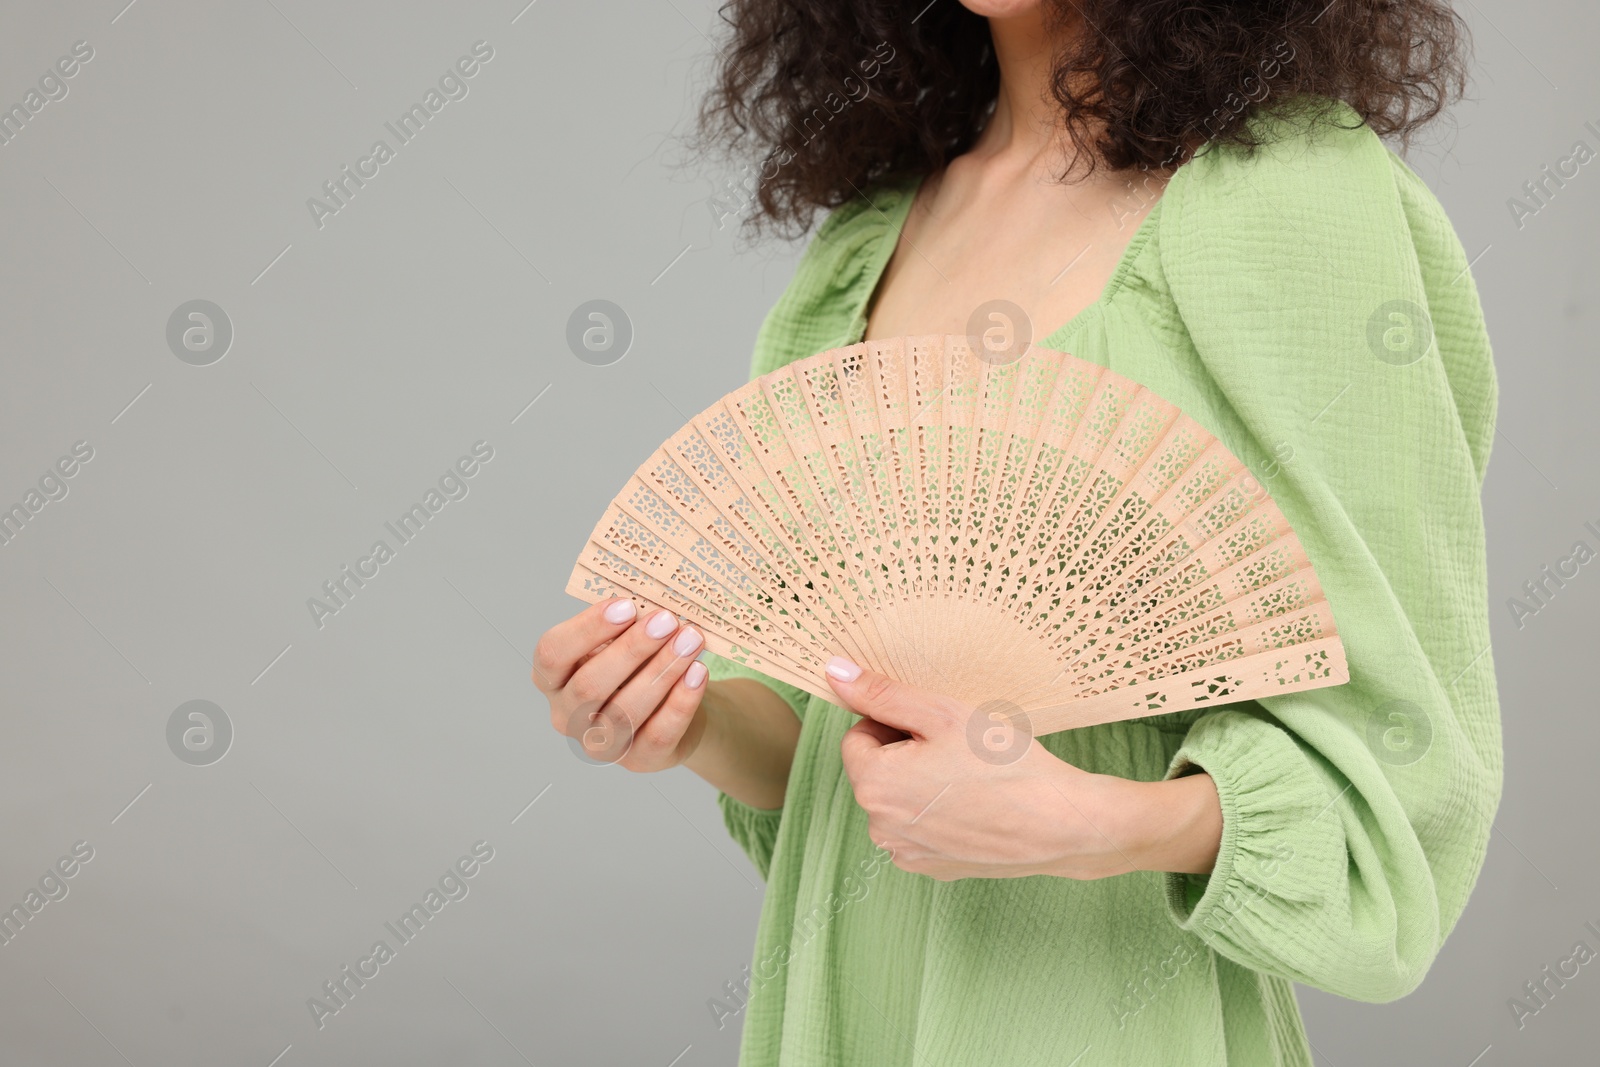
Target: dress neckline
x,y
900,209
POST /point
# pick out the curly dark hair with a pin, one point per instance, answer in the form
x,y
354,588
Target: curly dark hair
x,y
836,95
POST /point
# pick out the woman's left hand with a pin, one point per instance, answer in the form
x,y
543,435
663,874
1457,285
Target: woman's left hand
x,y
955,792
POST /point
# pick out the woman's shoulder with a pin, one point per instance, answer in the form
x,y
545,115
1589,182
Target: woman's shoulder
x,y
1319,193
1320,239
1305,137
867,208
820,307
844,247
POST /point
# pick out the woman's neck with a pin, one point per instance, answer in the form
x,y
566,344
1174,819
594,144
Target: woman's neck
x,y
1025,129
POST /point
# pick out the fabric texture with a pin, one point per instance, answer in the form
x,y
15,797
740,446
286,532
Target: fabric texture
x,y
1284,299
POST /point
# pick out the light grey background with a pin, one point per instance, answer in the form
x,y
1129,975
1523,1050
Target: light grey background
x,y
368,356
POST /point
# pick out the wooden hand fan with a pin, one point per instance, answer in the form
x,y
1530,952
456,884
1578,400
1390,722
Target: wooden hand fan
x,y
1041,535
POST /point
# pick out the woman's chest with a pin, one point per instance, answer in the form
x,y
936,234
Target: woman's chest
x,y
1012,264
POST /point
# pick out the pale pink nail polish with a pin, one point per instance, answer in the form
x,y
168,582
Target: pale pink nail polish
x,y
687,641
621,611
660,625
695,676
843,669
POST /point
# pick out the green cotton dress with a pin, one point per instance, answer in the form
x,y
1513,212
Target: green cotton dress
x,y
1310,305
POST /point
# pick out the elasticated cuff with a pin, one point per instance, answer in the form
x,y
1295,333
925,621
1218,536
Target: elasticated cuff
x,y
1282,845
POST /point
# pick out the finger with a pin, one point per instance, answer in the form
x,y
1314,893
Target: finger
x,y
893,703
662,742
591,654
886,734
859,744
641,694
597,681
562,648
601,739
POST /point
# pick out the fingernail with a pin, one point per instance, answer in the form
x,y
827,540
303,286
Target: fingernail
x,y
843,669
695,676
688,640
621,611
661,624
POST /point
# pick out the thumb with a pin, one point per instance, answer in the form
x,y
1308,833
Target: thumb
x,y
877,696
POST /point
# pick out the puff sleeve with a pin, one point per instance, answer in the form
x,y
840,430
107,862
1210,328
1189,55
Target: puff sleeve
x,y
1327,300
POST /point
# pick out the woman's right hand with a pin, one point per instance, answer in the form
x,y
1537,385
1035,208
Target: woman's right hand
x,y
625,686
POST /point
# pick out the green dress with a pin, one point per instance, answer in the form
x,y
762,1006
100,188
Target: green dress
x,y
1311,305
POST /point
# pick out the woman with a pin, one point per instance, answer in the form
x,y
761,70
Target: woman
x,y
1196,196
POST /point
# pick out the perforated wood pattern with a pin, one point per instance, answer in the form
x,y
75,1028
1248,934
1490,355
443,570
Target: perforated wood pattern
x,y
1043,533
